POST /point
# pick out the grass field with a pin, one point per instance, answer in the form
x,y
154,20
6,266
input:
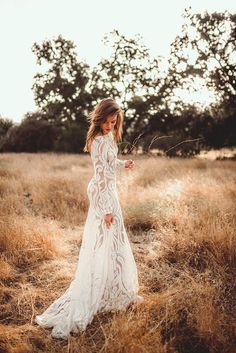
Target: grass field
x,y
180,216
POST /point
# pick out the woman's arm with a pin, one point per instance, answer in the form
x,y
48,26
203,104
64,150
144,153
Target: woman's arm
x,y
99,151
120,162
127,163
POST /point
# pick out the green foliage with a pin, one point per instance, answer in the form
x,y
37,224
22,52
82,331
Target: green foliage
x,y
5,125
61,92
71,139
206,48
32,135
69,89
129,72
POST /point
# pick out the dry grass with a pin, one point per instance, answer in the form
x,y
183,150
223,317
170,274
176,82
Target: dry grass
x,y
180,216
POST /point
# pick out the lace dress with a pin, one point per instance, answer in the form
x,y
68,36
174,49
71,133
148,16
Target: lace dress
x,y
106,277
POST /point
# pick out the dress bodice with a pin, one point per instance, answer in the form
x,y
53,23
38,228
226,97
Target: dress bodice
x,y
104,156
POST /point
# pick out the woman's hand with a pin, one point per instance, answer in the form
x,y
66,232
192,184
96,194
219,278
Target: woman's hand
x,y
108,219
129,164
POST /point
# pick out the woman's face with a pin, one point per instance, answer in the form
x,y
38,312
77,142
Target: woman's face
x,y
109,124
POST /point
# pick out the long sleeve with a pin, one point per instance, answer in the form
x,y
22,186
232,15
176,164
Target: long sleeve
x,y
99,156
120,162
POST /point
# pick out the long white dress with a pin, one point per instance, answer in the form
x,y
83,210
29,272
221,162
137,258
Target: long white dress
x,y
106,277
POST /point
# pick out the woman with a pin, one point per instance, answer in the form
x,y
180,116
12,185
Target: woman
x,y
106,277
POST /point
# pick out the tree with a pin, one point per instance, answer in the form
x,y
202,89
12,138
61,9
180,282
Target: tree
x,y
33,134
5,125
206,48
60,92
127,75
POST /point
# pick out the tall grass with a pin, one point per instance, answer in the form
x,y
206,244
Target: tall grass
x,y
180,216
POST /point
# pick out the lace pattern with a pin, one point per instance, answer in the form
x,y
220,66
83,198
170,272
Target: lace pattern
x,y
106,276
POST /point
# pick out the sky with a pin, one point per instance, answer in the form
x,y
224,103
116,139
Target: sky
x,y
23,22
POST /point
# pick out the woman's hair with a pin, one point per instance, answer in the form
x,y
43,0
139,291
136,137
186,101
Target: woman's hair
x,y
98,116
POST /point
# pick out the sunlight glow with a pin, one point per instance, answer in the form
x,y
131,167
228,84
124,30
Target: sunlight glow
x,y
85,23
199,94
172,189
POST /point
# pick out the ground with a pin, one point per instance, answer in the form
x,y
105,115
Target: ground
x,y
180,219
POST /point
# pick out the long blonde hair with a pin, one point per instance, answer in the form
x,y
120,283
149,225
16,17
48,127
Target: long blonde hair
x,y
98,116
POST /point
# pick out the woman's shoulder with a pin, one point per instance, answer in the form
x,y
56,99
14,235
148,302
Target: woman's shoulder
x,y
99,140
98,135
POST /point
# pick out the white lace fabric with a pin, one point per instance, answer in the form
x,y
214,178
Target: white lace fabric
x,y
106,277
